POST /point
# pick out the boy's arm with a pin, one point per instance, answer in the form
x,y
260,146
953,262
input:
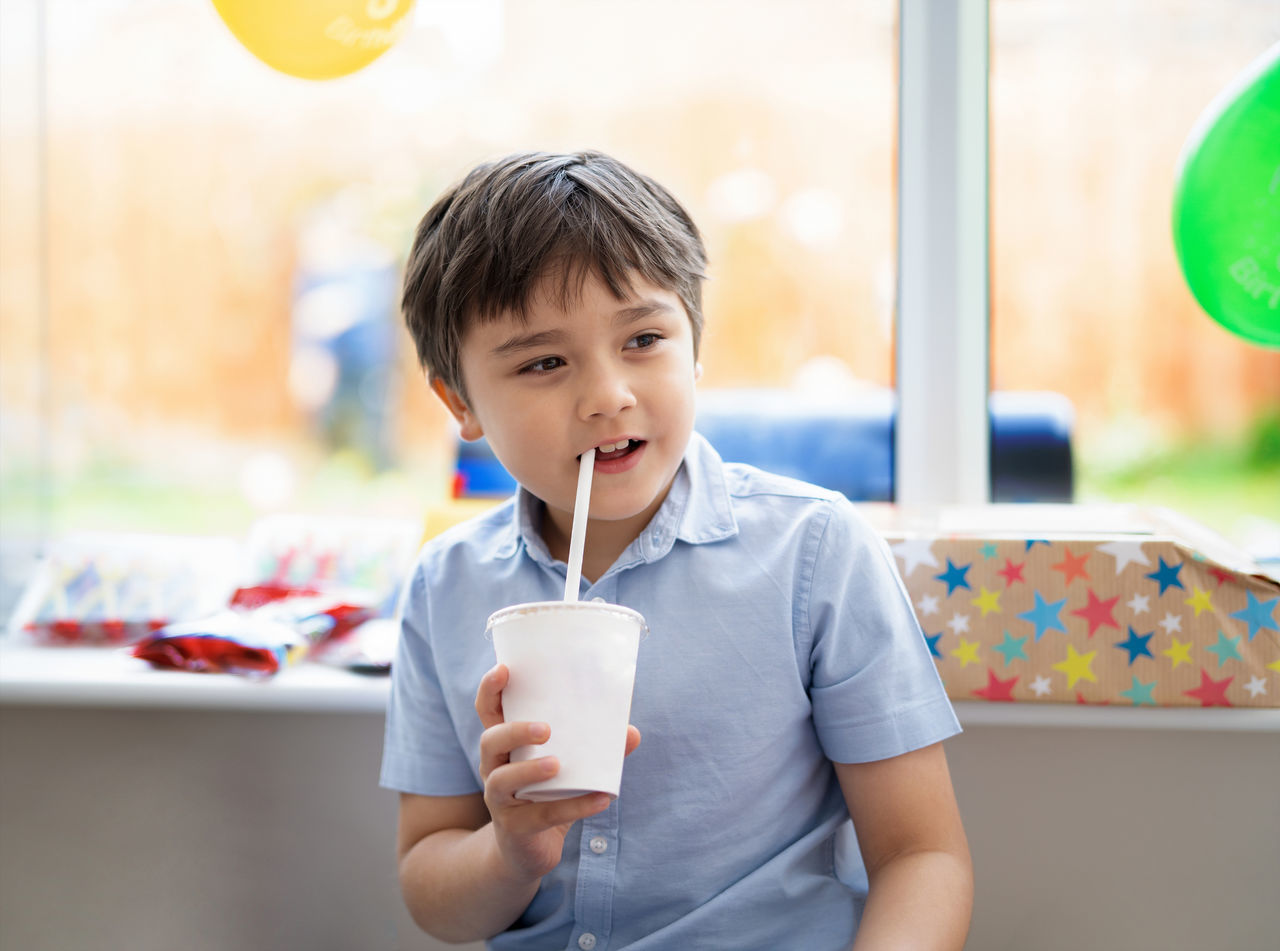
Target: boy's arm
x,y
455,882
450,874
470,864
913,845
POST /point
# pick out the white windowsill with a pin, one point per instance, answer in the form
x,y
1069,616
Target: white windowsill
x,y
87,676
97,677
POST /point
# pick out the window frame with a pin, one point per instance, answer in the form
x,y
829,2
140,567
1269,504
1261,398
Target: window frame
x,y
942,375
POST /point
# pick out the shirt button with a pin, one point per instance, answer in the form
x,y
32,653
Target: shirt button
x,y
599,845
597,600
586,941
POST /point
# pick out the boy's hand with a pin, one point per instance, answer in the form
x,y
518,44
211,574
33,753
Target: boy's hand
x,y
530,835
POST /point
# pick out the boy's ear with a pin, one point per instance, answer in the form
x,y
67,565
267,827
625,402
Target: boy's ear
x,y
458,408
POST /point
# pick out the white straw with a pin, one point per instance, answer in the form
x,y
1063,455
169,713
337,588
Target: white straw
x,y
578,536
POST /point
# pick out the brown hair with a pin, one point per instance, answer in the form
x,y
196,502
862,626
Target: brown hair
x,y
487,242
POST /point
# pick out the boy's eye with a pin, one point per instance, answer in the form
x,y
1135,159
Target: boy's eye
x,y
545,365
643,341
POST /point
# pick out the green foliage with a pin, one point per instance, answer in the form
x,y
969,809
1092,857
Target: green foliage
x,y
1221,482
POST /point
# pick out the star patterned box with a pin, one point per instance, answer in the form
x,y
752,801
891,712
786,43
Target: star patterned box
x,y
1087,604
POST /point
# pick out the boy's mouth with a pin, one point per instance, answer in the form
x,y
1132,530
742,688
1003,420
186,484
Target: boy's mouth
x,y
608,452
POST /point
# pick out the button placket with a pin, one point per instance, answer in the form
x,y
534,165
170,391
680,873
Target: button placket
x,y
597,866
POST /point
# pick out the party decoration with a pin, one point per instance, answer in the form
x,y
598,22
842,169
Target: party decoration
x,y
1226,205
316,39
1115,605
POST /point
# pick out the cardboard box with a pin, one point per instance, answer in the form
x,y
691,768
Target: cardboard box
x,y
1088,604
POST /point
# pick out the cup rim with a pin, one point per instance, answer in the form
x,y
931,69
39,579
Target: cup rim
x,y
538,607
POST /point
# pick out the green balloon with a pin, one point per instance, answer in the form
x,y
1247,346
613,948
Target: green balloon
x,y
1226,205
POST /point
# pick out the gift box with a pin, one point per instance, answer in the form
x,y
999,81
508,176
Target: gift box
x,y
1086,604
109,589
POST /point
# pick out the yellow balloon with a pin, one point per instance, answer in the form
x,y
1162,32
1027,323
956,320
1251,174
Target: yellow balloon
x,y
316,39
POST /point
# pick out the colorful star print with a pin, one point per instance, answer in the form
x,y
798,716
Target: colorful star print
x,y
1011,648
1011,572
1140,693
1156,602
1211,693
1219,575
1200,601
1136,645
1166,575
966,653
1258,615
1139,603
915,552
996,689
932,641
1072,566
1045,616
1227,648
1126,553
1098,613
988,601
955,577
1179,653
1077,666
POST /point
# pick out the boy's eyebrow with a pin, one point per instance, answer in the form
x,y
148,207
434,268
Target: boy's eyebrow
x,y
529,341
640,310
542,338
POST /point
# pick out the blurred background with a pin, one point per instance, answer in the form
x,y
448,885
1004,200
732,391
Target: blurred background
x,y
199,256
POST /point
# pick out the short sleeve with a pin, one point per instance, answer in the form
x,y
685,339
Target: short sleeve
x,y
421,752
874,687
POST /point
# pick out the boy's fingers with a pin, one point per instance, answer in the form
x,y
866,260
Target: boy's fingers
x,y
497,742
530,818
489,695
633,739
504,782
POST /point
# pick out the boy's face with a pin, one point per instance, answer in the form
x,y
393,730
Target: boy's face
x,y
588,372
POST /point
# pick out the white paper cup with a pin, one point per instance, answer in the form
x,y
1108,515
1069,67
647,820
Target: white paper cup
x,y
572,666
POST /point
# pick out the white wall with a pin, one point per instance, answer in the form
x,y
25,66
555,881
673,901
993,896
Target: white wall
x,y
200,830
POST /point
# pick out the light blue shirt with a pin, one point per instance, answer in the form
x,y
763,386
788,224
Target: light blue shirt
x,y
780,639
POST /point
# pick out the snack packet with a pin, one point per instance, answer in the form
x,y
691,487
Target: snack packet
x,y
266,629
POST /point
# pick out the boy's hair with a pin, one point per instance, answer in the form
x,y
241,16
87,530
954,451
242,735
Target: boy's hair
x,y
489,240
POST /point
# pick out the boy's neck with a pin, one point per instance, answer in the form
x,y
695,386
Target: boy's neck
x,y
605,540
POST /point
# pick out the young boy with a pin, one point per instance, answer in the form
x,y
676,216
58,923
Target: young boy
x,y
555,301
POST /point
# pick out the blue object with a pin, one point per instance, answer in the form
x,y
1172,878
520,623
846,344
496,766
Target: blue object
x,y
848,447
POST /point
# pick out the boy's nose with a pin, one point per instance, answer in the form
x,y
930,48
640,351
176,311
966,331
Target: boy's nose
x,y
605,393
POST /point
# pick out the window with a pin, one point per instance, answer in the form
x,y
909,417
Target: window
x,y
1091,104
214,331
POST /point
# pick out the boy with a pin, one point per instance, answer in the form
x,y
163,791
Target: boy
x,y
555,302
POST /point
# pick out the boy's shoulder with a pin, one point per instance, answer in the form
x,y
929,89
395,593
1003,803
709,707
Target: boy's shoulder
x,y
747,482
768,499
482,537
744,480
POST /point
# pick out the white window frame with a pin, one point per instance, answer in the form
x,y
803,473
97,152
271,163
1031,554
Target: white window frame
x,y
942,431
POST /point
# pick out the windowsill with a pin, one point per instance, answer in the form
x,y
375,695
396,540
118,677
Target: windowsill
x,y
1233,719
96,677
88,676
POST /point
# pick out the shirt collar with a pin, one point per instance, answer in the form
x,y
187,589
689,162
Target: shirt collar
x,y
697,510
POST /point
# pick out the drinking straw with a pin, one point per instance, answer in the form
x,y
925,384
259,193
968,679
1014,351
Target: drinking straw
x,y
578,535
